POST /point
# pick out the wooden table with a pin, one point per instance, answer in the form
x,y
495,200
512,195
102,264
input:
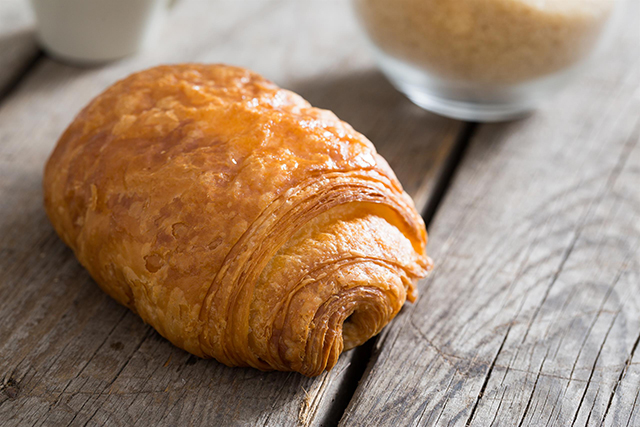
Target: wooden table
x,y
531,317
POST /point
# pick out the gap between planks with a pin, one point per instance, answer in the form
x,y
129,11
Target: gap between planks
x,y
20,76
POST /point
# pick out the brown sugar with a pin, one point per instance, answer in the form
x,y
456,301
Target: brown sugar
x,y
486,41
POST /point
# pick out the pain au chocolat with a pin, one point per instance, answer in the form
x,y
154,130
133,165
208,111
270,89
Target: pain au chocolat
x,y
239,221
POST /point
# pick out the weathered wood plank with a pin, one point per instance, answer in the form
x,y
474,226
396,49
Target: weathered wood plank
x,y
532,315
71,355
17,40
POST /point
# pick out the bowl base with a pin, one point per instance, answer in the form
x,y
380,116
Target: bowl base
x,y
469,111
471,101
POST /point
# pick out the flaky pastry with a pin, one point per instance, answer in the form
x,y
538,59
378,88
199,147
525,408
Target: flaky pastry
x,y
237,220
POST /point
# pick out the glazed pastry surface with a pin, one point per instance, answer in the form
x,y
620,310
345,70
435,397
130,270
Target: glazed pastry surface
x,y
237,220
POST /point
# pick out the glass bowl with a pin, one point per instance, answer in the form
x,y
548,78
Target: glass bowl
x,y
484,60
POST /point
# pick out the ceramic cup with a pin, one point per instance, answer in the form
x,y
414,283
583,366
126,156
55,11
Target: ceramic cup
x,y
90,31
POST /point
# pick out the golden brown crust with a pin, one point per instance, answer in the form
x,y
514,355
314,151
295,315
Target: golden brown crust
x,y
240,222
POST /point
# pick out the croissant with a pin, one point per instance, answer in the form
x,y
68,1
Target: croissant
x,y
237,220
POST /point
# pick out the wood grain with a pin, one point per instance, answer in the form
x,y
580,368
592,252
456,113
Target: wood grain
x,y
71,355
17,40
532,315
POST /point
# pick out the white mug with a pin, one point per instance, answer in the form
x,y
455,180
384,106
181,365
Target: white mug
x,y
89,31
